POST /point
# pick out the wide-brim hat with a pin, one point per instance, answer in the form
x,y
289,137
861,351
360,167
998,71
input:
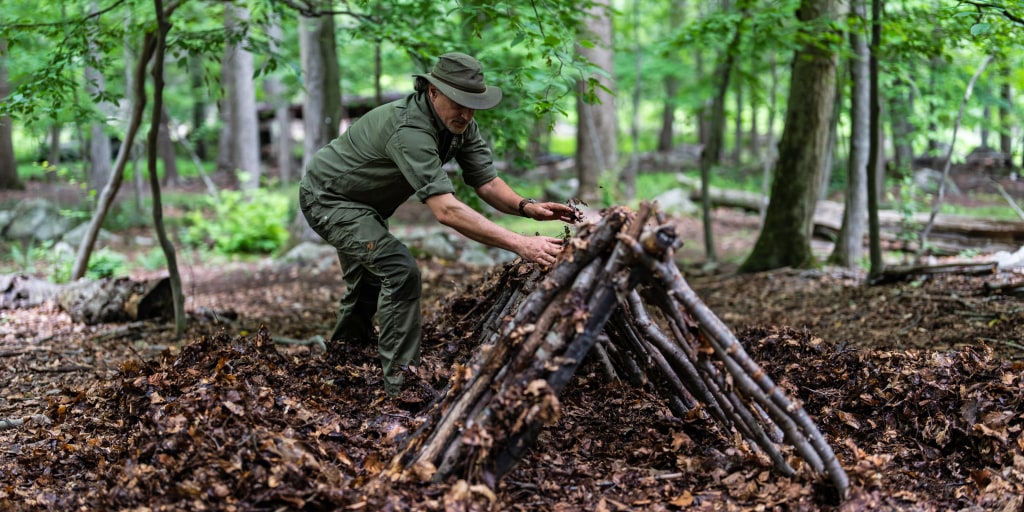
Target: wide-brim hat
x,y
461,78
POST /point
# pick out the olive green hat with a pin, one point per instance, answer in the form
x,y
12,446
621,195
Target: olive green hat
x,y
461,78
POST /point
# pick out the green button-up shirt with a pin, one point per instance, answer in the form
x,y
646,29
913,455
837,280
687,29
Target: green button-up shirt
x,y
393,152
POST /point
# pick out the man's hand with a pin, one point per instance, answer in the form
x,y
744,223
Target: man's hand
x,y
541,249
551,211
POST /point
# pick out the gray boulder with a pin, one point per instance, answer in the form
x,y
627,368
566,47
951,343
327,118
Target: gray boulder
x,y
36,219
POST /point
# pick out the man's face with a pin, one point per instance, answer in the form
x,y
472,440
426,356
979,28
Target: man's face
x,y
454,116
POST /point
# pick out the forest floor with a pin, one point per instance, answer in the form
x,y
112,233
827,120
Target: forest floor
x,y
917,385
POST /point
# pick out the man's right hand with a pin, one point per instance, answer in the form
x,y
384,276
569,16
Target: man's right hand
x,y
543,250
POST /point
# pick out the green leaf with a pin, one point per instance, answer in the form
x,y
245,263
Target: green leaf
x,y
980,28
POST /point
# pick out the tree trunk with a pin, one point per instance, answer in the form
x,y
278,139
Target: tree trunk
x,y
241,94
277,96
711,156
849,248
321,110
99,143
199,106
785,239
53,160
596,132
666,135
165,150
8,165
162,27
876,266
737,127
901,106
1006,122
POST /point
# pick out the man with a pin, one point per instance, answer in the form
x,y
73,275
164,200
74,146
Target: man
x,y
355,183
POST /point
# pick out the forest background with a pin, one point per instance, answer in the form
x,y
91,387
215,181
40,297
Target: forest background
x,y
796,100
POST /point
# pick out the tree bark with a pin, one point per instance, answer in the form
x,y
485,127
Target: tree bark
x,y
785,239
1006,122
596,133
163,27
8,165
278,98
849,248
711,156
241,94
99,143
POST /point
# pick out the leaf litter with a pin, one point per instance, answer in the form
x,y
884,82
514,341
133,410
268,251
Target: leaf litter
x,y
918,387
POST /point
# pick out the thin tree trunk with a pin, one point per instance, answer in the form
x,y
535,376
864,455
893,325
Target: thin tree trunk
x,y
849,247
158,113
165,150
737,131
1006,123
937,202
711,156
199,106
8,165
771,152
99,143
628,176
901,105
276,95
596,137
244,133
874,231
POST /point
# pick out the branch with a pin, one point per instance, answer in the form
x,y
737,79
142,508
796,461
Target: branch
x,y
66,22
307,10
1002,10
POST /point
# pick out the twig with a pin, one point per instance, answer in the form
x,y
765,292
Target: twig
x,y
1009,199
1004,342
937,203
313,340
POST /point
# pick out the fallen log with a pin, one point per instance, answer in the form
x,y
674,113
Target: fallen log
x,y
904,273
950,234
116,300
542,325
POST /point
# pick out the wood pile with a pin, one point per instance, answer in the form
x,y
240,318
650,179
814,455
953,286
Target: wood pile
x,y
616,295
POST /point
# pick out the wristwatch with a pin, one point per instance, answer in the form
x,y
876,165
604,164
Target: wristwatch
x,y
522,206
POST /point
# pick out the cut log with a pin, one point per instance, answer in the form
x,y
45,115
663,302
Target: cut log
x,y
116,300
539,329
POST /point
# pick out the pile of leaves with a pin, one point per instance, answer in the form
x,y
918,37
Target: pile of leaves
x,y
239,422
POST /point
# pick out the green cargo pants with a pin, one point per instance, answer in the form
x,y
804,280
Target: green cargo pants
x,y
381,277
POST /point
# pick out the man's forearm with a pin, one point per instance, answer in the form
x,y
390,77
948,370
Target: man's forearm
x,y
472,224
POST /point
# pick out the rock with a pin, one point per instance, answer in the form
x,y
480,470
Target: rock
x,y
36,219
438,246
75,236
677,201
322,256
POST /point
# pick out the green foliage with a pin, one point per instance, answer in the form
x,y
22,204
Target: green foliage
x,y
55,261
240,222
153,259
